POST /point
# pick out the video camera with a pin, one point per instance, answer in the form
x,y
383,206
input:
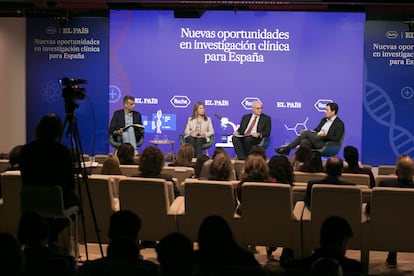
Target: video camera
x,y
72,91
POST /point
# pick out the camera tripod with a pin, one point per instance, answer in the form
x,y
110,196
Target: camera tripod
x,y
80,169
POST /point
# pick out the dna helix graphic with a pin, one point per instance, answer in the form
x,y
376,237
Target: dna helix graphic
x,y
380,107
159,122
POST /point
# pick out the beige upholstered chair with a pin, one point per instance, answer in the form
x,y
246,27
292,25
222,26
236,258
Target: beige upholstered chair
x,y
47,201
100,158
4,164
148,197
358,179
204,198
268,217
11,184
129,170
101,188
386,169
306,176
239,168
391,225
382,177
180,173
334,200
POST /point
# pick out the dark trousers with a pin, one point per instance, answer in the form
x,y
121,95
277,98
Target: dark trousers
x,y
197,144
243,145
308,139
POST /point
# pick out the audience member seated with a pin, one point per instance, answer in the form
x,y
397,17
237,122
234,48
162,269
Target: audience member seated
x,y
41,259
335,233
14,158
405,173
255,170
351,156
47,162
199,165
258,150
205,169
219,254
302,153
123,232
184,156
313,163
175,255
151,163
12,262
334,167
326,267
281,170
126,154
221,168
111,166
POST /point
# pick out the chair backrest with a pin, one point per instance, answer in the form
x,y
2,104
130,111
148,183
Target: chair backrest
x,y
239,168
147,197
100,158
44,200
391,219
129,170
386,169
102,198
331,148
336,200
204,198
180,173
11,183
267,214
358,179
382,177
306,176
4,164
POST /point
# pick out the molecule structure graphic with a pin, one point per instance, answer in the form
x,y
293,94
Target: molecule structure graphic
x,y
298,127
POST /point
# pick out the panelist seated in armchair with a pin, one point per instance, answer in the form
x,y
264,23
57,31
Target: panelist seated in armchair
x,y
126,125
199,129
254,128
330,129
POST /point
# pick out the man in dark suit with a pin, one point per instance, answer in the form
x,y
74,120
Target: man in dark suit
x,y
404,179
334,167
123,118
330,128
252,129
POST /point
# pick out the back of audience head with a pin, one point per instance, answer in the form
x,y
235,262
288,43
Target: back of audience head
x,y
215,235
217,151
151,161
334,166
175,254
405,167
199,165
111,166
124,249
124,223
50,127
259,151
335,233
14,156
281,169
11,256
351,156
255,169
126,154
221,167
313,163
33,230
326,267
184,156
302,153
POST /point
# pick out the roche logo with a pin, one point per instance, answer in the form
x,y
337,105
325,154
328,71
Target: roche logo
x,y
180,101
320,105
248,102
391,34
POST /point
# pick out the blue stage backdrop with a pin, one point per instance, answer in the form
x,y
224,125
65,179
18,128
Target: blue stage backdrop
x,y
75,49
293,62
388,93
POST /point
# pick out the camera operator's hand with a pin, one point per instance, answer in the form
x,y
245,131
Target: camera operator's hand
x,y
119,131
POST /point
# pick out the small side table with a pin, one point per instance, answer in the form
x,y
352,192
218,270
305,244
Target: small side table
x,y
165,142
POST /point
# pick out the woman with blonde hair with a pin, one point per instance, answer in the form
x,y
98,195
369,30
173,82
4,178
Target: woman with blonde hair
x,y
198,129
